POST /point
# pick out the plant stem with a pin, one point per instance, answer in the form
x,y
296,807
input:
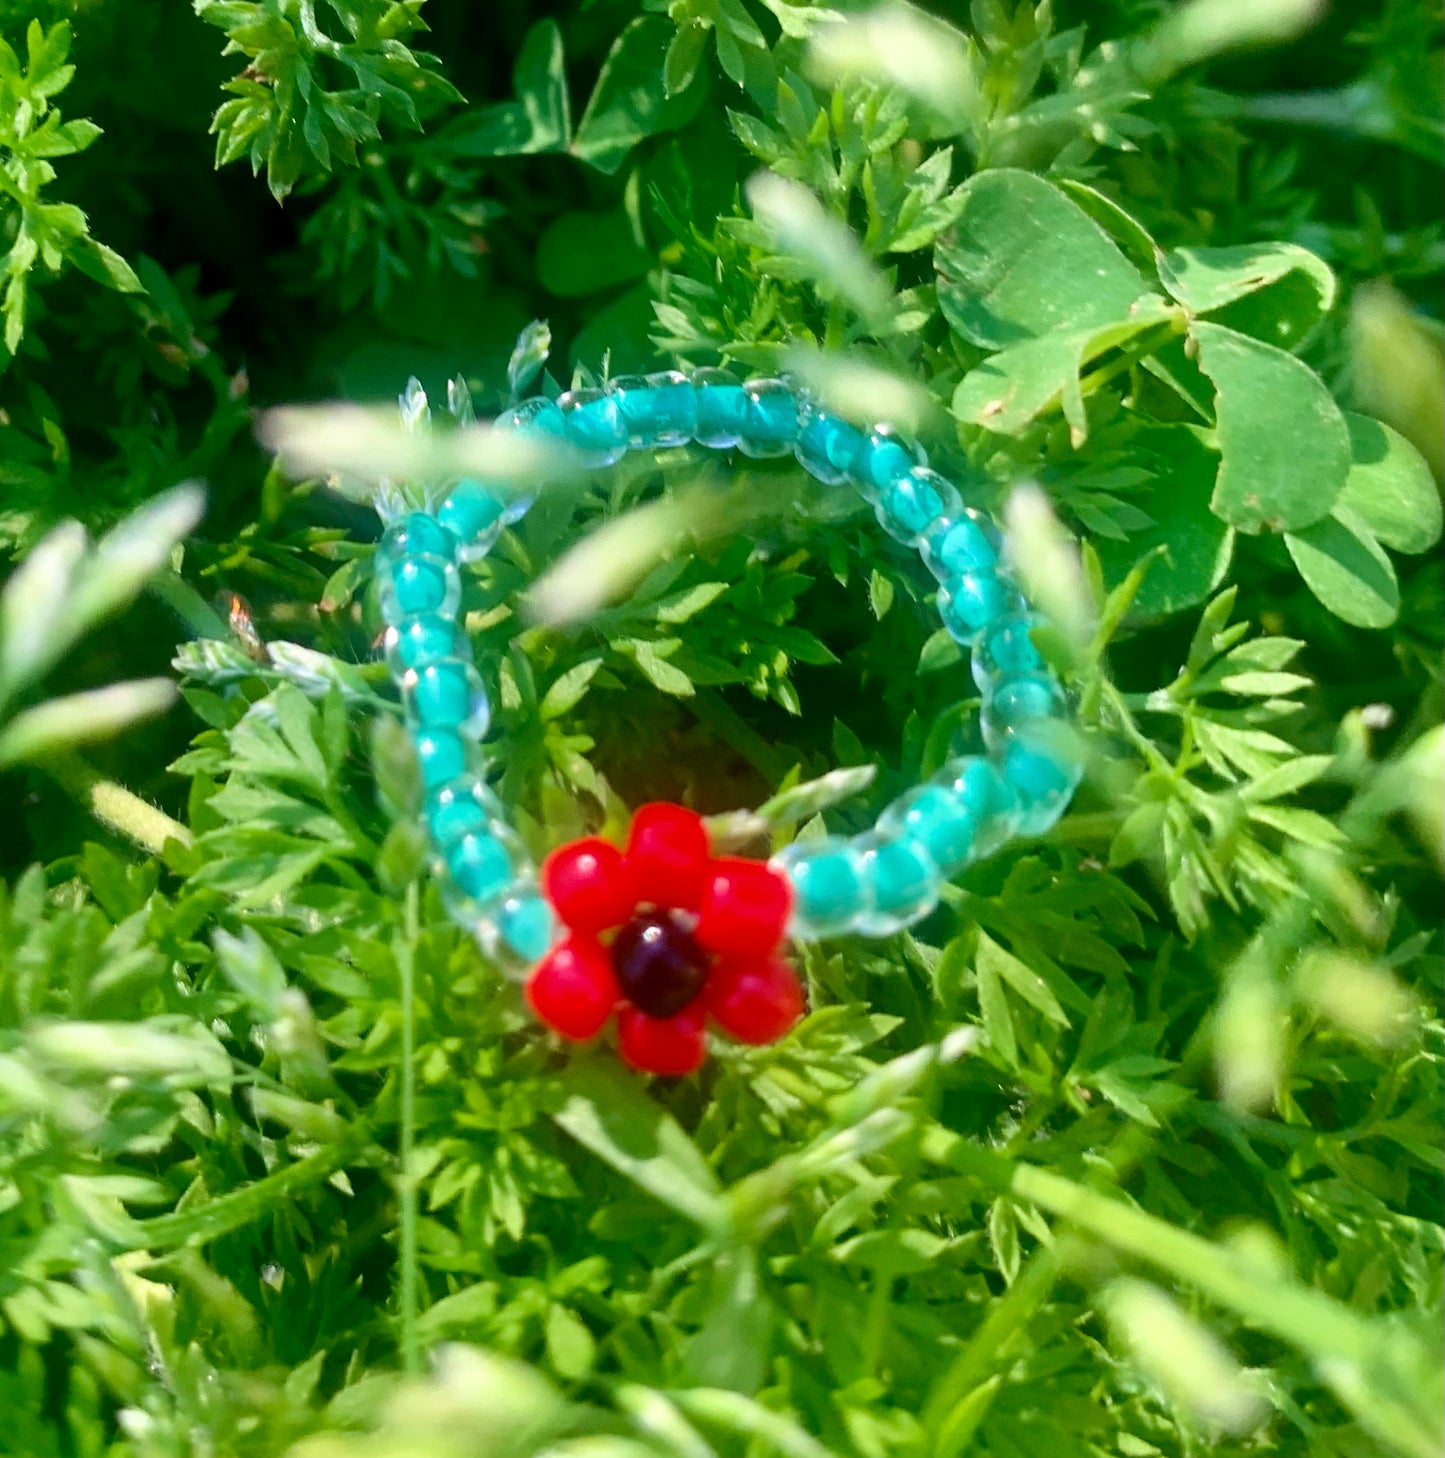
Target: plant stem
x,y
406,1189
117,808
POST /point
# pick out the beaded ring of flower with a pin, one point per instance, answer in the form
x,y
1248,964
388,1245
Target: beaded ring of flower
x,y
661,934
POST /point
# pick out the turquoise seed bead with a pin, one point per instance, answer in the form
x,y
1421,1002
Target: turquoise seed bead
x,y
988,797
595,425
772,419
480,865
463,807
827,447
909,505
939,820
830,892
1043,779
1005,651
474,513
419,585
1018,702
722,409
971,601
539,415
659,409
958,543
904,881
425,638
417,534
442,755
883,459
526,925
447,695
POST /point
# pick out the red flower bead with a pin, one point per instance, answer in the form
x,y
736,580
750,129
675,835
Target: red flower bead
x,y
665,935
744,908
573,989
755,1002
670,1046
590,884
668,852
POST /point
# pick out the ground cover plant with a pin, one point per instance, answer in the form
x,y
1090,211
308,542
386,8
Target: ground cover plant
x,y
1134,1146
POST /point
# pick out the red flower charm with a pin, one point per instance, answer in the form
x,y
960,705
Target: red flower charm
x,y
665,935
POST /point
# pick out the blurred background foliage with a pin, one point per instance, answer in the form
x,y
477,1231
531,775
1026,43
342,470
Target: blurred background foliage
x,y
1134,1147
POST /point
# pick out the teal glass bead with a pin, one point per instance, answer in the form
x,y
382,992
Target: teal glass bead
x,y
595,425
442,755
463,807
903,879
971,601
538,415
827,446
989,799
939,820
1017,702
475,513
526,925
959,542
830,892
480,865
659,409
909,505
1006,650
448,694
413,642
1044,776
771,427
722,409
419,585
417,534
882,460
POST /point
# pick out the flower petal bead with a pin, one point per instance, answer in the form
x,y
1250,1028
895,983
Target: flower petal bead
x,y
447,694
722,409
903,878
590,884
595,425
963,541
667,853
419,585
970,602
413,642
745,907
462,807
1006,651
573,990
883,459
755,1002
772,419
988,797
827,446
417,534
476,514
909,505
830,891
939,820
659,409
442,755
670,1047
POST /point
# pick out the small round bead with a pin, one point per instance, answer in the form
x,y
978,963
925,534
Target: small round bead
x,y
904,881
573,990
590,883
667,854
882,460
962,541
970,602
830,892
909,505
476,514
827,446
744,908
755,1002
1006,650
462,807
525,924
939,820
442,755
987,796
659,409
670,1047
424,638
417,534
722,409
419,585
1020,701
447,694
1044,776
772,419
538,415
595,425
480,865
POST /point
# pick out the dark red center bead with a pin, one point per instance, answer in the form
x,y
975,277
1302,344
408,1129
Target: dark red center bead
x,y
659,967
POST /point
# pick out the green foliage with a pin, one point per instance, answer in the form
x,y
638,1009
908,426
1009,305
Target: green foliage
x,y
1133,1146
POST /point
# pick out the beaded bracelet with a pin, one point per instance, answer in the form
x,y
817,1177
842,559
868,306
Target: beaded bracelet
x,y
662,933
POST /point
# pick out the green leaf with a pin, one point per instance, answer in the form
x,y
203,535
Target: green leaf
x,y
608,1112
538,121
567,691
1347,569
1282,291
584,253
1284,444
1390,487
1024,261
